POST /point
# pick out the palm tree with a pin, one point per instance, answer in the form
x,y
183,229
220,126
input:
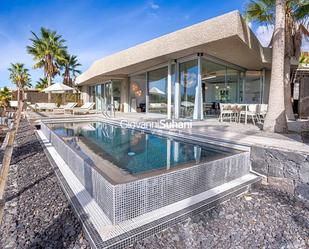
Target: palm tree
x,y
275,120
5,97
70,69
41,84
21,78
296,27
47,49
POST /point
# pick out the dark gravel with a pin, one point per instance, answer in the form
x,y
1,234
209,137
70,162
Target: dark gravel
x,y
37,213
266,218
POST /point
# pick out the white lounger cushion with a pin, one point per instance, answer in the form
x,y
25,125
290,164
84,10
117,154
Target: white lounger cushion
x,y
87,105
45,106
68,105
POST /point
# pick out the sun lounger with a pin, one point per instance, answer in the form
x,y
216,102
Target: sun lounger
x,y
45,106
63,108
85,108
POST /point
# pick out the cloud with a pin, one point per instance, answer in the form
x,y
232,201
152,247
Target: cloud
x,y
264,34
154,6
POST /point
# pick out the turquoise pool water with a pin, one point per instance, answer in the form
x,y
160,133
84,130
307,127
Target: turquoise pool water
x,y
136,151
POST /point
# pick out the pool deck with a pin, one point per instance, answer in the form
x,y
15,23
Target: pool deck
x,y
211,128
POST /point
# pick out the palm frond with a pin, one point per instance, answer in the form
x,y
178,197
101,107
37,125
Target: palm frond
x,y
47,49
261,11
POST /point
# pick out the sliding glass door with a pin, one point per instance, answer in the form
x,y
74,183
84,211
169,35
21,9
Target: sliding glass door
x,y
104,95
116,94
188,73
98,97
221,84
253,87
157,90
138,93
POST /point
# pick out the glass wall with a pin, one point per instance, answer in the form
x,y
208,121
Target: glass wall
x,y
98,97
91,91
138,93
220,84
117,94
157,90
232,85
188,72
213,82
253,87
173,76
105,94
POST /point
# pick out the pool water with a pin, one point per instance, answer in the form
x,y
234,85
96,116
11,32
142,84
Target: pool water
x,y
136,151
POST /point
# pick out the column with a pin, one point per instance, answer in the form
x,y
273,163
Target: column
x,y
124,94
147,93
263,86
169,90
177,92
84,93
198,109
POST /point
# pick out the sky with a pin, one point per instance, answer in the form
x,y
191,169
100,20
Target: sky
x,y
96,28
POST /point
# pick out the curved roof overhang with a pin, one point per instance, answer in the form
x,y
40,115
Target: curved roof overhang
x,y
226,37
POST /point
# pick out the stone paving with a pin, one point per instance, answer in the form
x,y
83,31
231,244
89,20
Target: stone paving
x,y
37,213
266,218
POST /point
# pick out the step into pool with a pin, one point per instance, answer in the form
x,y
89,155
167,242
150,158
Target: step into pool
x,y
132,172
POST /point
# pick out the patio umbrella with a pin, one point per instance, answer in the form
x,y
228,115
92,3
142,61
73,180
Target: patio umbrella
x,y
156,91
57,88
187,104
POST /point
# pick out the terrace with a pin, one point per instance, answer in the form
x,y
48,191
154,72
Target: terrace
x,y
267,151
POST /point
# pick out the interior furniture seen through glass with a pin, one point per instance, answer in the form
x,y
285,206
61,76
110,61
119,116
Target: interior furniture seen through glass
x,y
117,94
138,93
253,87
157,90
220,84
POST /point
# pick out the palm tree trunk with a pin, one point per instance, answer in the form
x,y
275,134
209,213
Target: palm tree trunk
x,y
66,76
287,89
22,98
49,79
18,94
275,120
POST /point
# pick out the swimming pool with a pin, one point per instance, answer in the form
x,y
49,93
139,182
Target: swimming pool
x,y
133,172
135,151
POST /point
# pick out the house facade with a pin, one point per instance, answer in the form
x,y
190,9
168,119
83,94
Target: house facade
x,y
184,74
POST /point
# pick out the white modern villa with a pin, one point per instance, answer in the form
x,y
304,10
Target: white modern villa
x,y
184,74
